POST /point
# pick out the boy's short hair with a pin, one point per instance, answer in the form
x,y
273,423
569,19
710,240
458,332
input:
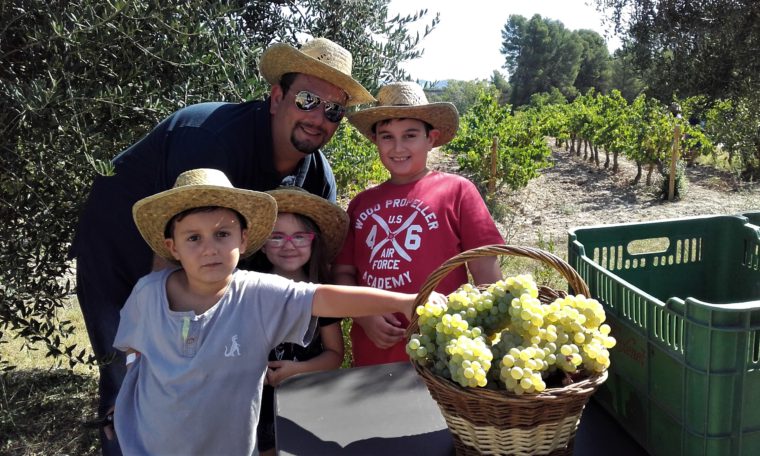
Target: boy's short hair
x,y
169,230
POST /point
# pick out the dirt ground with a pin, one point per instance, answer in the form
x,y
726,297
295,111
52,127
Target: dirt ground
x,y
575,193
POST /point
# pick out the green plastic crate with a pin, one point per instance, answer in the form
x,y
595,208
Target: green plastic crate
x,y
683,299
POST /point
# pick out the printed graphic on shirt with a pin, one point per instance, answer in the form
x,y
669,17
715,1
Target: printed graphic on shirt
x,y
233,349
394,231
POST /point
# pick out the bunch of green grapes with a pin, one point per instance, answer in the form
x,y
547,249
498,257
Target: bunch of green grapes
x,y
567,334
506,322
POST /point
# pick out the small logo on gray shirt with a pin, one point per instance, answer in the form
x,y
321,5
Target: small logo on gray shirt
x,y
233,349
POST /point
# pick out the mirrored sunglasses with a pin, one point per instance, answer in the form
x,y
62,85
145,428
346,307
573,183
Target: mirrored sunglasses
x,y
307,101
299,239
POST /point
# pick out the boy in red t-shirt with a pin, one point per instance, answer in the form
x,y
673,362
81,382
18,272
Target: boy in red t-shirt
x,y
403,229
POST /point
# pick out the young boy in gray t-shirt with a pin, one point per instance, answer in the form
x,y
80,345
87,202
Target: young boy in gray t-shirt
x,y
197,337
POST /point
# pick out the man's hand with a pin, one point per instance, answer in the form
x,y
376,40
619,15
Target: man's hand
x,y
108,429
384,331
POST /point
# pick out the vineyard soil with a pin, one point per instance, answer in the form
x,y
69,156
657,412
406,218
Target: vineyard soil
x,y
575,193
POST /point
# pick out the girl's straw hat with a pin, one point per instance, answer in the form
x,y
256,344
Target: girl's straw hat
x,y
331,219
200,188
319,57
407,100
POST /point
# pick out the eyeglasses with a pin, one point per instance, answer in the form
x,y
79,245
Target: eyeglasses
x,y
307,101
299,239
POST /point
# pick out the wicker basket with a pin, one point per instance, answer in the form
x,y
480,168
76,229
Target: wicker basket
x,y
485,421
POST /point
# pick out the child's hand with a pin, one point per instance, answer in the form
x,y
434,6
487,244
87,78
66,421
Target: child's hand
x,y
280,370
384,331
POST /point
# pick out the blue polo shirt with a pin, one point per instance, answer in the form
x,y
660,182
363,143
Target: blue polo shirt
x,y
235,138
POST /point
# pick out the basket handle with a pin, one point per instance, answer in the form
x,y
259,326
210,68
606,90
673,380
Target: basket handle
x,y
574,280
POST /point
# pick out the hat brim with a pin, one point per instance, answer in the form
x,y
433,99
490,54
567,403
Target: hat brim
x,y
282,58
441,116
151,214
331,219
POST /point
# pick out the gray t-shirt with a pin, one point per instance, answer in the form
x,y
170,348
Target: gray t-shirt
x,y
196,387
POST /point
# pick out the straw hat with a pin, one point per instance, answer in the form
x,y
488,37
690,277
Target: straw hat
x,y
319,57
331,219
407,100
199,188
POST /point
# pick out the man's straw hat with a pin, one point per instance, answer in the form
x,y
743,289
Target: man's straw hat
x,y
331,219
407,100
319,57
200,188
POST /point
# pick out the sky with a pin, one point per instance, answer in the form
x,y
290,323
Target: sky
x,y
465,44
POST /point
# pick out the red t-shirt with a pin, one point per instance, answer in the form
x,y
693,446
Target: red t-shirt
x,y
399,234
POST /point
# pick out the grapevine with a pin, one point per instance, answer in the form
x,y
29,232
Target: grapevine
x,y
505,337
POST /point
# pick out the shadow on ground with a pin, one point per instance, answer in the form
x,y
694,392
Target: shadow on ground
x,y
42,411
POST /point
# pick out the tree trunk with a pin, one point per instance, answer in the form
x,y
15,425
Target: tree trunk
x,y
615,164
595,153
650,169
607,159
585,149
572,144
638,173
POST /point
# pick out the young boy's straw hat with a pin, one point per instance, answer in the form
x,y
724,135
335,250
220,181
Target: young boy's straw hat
x,y
407,100
319,57
200,188
331,219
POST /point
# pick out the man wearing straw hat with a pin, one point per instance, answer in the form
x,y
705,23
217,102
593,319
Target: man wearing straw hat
x,y
259,145
406,227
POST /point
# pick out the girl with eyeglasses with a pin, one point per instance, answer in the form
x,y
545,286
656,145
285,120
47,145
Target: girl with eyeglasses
x,y
307,234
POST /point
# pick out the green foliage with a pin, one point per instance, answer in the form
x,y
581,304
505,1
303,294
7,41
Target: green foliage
x,y
681,183
541,54
378,43
691,48
625,76
522,150
354,160
595,65
735,125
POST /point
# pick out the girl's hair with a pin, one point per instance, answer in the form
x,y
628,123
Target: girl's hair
x,y
169,228
316,269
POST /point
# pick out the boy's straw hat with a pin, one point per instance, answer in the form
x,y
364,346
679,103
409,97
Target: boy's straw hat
x,y
319,57
199,188
331,219
407,100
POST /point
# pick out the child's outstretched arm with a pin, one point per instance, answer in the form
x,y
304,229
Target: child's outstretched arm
x,y
349,301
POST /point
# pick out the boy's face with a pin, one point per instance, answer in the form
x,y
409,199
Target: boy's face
x,y
403,147
208,245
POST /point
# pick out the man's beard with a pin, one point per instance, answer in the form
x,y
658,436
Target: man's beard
x,y
305,147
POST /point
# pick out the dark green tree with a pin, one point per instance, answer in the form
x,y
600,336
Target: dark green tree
x,y
625,76
691,48
594,71
540,54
